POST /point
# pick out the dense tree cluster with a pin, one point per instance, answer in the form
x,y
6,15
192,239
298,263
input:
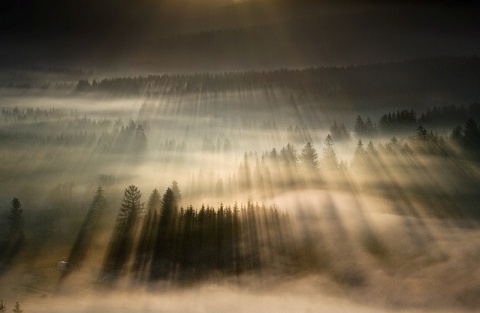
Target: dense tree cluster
x,y
467,136
449,116
339,132
404,121
398,122
172,242
364,128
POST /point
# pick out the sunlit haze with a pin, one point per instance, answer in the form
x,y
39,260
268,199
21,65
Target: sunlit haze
x,y
239,156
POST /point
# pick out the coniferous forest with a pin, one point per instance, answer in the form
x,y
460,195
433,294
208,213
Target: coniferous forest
x,y
244,156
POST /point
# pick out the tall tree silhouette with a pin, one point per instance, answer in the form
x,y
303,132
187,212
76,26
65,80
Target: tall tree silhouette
x,y
360,156
309,158
16,218
144,251
122,242
164,248
17,308
16,236
330,161
176,192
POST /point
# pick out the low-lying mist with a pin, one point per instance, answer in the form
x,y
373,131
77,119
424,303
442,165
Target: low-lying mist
x,y
180,204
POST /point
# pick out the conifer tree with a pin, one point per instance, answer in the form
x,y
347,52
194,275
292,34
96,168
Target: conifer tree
x,y
471,135
360,155
176,191
154,201
309,157
17,308
16,217
131,207
330,161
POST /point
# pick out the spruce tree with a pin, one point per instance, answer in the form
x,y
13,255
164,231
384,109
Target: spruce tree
x,y
17,308
309,157
16,217
154,201
131,207
176,191
330,161
360,155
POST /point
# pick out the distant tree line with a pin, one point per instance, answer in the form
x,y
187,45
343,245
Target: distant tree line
x,y
355,81
404,121
40,126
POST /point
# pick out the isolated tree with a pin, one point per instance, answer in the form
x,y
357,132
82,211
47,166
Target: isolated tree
x,y
16,217
309,157
17,308
330,161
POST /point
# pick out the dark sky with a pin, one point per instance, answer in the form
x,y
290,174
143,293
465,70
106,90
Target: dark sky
x,y
138,33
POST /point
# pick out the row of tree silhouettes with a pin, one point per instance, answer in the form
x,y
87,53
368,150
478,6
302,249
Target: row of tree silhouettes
x,y
290,166
41,127
358,81
164,240
404,121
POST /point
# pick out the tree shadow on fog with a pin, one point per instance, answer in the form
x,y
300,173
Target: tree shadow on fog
x,y
416,228
123,237
89,227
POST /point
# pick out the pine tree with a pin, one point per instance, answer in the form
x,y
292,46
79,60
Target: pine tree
x,y
169,202
422,133
131,207
16,217
371,150
457,134
17,308
360,155
176,191
359,127
289,155
309,157
330,161
154,201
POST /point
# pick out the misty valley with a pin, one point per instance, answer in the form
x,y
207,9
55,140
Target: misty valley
x,y
326,188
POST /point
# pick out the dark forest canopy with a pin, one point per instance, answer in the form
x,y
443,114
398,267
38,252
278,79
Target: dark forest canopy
x,y
456,76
